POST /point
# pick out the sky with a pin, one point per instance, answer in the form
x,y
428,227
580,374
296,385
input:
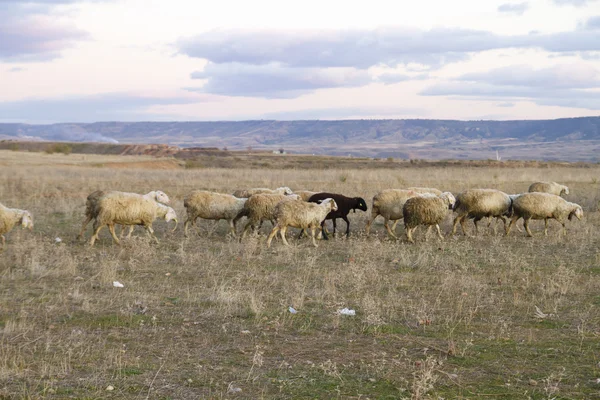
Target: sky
x,y
186,60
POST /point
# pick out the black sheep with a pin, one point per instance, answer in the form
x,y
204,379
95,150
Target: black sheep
x,y
345,204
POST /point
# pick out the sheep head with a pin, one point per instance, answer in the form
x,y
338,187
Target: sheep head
x,y
577,212
449,198
285,190
329,202
26,220
171,216
361,204
161,197
564,191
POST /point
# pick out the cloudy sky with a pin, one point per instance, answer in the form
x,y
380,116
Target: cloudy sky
x,y
132,60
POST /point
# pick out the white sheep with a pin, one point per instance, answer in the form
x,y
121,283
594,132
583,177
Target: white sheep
x,y
129,209
549,187
300,214
249,192
426,209
261,207
389,203
215,206
544,206
91,206
9,217
481,203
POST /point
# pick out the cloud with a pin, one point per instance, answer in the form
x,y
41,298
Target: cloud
x,y
274,80
592,23
17,69
506,104
576,3
103,107
366,48
513,8
565,76
576,86
287,64
31,32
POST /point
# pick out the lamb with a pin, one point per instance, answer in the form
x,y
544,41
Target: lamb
x,y
91,206
129,209
9,217
426,209
389,203
543,206
549,187
300,214
480,203
249,192
305,194
216,206
260,207
344,205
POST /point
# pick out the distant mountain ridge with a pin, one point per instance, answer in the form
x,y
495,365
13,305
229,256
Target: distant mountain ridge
x,y
399,137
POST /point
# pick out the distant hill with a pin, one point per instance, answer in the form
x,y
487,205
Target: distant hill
x,y
571,139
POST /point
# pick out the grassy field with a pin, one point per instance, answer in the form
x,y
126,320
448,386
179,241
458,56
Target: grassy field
x,y
208,317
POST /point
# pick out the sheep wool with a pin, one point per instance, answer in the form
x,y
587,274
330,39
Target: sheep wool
x,y
260,207
215,206
544,206
305,194
129,209
9,217
549,187
300,214
481,203
426,209
389,203
249,192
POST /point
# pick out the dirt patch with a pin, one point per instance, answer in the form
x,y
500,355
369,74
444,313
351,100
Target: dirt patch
x,y
159,164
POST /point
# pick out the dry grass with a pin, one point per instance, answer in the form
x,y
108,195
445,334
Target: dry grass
x,y
208,317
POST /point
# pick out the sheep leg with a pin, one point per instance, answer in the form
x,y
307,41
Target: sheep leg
x,y
185,226
439,232
368,227
427,232
282,233
94,237
455,224
246,228
391,231
111,228
325,237
463,225
232,227
409,232
334,225
512,222
345,218
130,231
475,221
150,232
3,242
88,218
272,234
312,235
526,224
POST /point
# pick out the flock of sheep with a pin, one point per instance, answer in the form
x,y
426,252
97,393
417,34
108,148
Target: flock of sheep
x,y
309,210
